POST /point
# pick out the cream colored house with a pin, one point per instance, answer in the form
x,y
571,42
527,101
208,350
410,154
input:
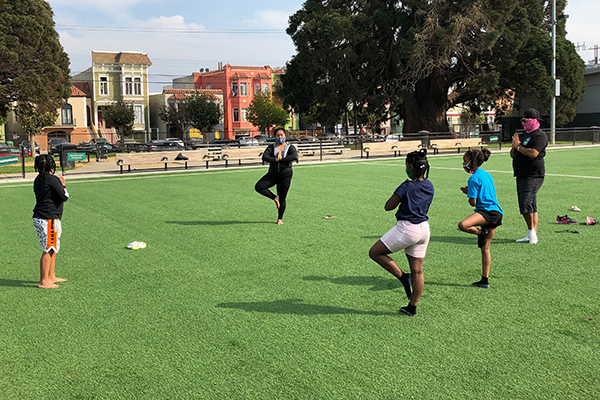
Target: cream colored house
x,y
119,76
73,122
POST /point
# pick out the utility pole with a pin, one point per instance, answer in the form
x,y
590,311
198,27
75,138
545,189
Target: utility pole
x,y
553,73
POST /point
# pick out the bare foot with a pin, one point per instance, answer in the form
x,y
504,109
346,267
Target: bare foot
x,y
55,280
279,222
47,285
276,199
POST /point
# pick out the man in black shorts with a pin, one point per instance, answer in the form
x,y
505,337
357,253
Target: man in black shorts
x,y
528,151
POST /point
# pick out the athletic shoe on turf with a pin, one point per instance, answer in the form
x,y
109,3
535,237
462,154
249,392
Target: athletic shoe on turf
x,y
407,283
481,238
576,209
405,311
590,221
524,240
565,220
481,285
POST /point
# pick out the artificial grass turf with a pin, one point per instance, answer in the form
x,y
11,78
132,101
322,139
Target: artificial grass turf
x,y
225,304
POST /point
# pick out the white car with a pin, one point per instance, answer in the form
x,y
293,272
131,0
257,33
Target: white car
x,y
176,140
393,138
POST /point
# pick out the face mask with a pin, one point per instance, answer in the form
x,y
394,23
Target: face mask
x,y
280,140
531,125
467,168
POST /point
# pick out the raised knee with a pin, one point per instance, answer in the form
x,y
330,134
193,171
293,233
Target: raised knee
x,y
462,226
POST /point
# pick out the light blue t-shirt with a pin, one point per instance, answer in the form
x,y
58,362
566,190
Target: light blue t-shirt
x,y
481,187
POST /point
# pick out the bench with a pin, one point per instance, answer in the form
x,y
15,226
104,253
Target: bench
x,y
130,159
389,148
251,154
195,157
454,144
323,148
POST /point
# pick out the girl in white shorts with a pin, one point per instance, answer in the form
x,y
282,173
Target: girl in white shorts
x,y
411,233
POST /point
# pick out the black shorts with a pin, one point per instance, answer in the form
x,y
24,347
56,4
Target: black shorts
x,y
493,218
527,188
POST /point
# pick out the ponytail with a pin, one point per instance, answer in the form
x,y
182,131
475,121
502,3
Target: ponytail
x,y
478,157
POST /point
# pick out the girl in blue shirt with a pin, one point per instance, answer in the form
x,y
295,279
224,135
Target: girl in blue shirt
x,y
411,232
481,193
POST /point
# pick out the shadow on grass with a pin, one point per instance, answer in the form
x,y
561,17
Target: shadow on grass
x,y
446,284
296,307
468,240
15,283
377,283
215,223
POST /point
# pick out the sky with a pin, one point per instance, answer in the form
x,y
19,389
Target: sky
x,y
182,36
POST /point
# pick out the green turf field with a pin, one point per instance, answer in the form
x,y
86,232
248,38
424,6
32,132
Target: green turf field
x,y
224,304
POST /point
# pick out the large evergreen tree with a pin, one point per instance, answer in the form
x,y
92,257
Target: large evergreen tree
x,y
34,69
419,58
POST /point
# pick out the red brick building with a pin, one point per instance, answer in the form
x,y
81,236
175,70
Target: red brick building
x,y
239,85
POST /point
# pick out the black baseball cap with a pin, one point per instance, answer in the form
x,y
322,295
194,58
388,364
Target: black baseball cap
x,y
531,113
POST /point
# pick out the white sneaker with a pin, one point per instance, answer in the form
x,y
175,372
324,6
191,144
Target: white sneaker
x,y
524,240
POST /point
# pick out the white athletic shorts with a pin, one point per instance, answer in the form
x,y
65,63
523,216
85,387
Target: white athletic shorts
x,y
413,238
48,231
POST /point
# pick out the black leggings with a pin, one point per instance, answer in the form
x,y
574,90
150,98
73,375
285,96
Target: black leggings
x,y
283,185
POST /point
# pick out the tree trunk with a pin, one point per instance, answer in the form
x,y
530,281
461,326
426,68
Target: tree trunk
x,y
425,108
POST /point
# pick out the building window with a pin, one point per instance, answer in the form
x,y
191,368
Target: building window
x,y
66,113
137,86
208,86
244,115
256,88
234,89
236,115
139,114
104,85
265,88
243,89
128,86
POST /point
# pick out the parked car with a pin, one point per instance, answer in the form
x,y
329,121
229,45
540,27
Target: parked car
x,y
27,146
6,151
393,138
225,143
308,139
261,138
247,141
176,140
59,144
164,145
86,146
131,145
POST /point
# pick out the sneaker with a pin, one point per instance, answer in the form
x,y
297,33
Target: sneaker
x,y
407,283
524,240
565,220
576,209
590,221
407,312
481,285
481,238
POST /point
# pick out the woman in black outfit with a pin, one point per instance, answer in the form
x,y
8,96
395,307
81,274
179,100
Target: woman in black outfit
x,y
280,155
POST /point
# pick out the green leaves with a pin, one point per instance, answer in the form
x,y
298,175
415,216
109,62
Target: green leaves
x,y
203,112
35,68
263,113
121,116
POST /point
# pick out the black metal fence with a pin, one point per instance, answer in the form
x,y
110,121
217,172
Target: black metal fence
x,y
100,161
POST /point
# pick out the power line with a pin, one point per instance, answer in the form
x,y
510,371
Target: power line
x,y
173,30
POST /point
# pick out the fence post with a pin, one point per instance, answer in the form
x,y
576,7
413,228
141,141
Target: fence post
x,y
23,158
62,160
320,149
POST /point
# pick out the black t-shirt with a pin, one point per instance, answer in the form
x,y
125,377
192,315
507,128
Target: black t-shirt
x,y
50,194
527,166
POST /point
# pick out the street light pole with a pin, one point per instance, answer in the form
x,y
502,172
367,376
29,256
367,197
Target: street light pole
x,y
553,73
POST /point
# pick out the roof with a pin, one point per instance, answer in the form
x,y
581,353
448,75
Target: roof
x,y
120,58
180,94
80,89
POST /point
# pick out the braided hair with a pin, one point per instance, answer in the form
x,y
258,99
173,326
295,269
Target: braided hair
x,y
478,157
417,161
44,164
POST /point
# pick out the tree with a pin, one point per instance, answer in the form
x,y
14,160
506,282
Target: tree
x,y
419,58
176,114
264,113
34,67
32,120
204,112
121,116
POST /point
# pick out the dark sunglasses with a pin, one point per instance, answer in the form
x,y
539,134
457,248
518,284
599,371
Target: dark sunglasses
x,y
524,119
